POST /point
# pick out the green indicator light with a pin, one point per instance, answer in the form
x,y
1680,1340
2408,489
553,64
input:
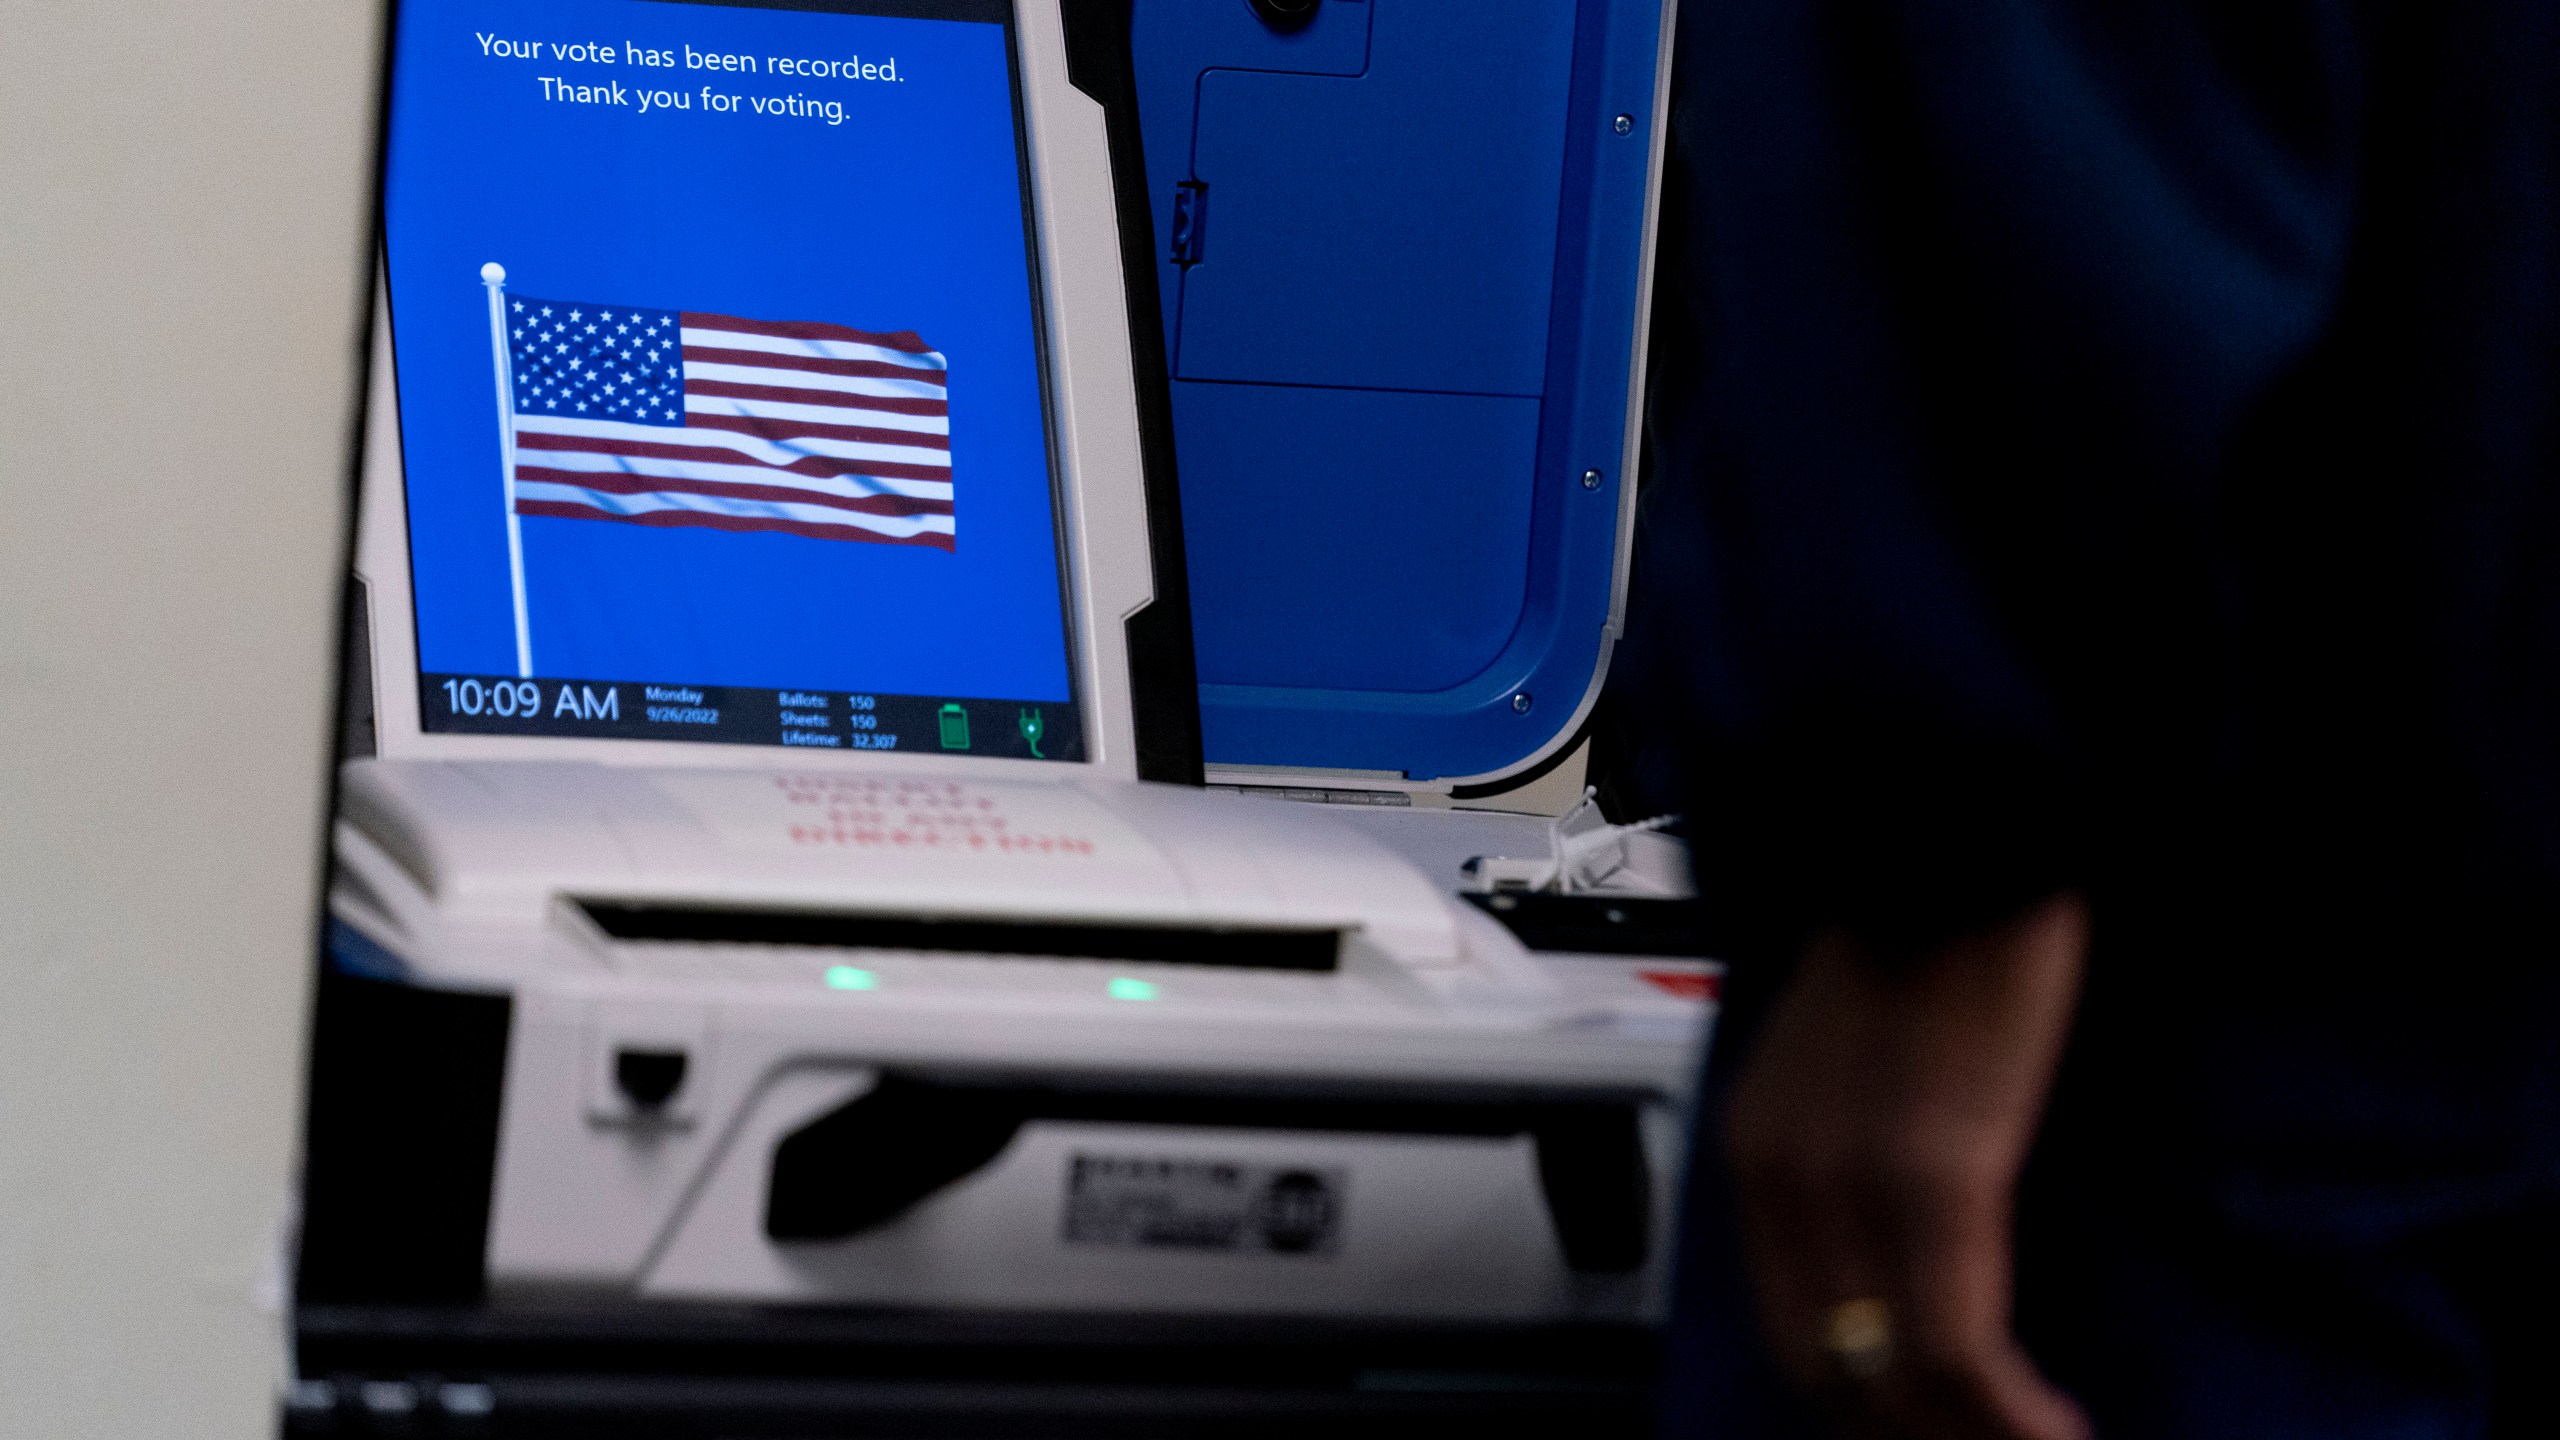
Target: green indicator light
x,y
1127,989
846,977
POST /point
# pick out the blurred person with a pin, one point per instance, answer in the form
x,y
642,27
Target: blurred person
x,y
2104,568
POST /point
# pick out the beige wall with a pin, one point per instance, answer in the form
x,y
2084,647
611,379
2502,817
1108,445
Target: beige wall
x,y
182,228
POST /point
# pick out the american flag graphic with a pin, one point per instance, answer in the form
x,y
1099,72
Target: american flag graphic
x,y
679,418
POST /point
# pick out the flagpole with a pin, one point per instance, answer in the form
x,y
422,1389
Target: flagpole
x,y
494,275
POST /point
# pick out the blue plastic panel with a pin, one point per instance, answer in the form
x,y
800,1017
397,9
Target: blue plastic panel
x,y
1429,264
1402,327
1299,606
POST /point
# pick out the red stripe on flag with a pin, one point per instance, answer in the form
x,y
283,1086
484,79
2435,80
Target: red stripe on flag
x,y
733,490
823,465
831,399
814,364
785,431
699,520
906,340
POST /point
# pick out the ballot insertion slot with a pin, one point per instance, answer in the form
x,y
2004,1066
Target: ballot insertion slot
x,y
1234,948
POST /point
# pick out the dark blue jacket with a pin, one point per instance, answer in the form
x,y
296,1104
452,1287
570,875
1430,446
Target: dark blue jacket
x,y
2112,443
2118,444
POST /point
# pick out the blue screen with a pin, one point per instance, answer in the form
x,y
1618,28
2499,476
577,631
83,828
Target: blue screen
x,y
764,358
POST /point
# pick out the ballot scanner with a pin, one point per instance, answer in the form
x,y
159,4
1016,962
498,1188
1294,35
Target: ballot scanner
x,y
772,882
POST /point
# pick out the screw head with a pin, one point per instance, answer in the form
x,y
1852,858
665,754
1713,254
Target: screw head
x,y
1625,125
1520,703
1590,479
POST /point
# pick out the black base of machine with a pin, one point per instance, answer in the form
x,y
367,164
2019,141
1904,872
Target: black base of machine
x,y
690,1372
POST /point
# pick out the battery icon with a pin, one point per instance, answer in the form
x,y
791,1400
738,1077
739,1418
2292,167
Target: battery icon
x,y
955,727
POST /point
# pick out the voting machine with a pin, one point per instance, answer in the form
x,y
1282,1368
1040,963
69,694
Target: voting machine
x,y
774,880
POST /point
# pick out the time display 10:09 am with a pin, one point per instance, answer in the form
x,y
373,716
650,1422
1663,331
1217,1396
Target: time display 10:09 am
x,y
522,699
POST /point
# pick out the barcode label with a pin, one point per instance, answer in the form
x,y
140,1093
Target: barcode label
x,y
1164,1203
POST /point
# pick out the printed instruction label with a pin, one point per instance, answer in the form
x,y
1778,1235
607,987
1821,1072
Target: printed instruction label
x,y
1138,1202
908,815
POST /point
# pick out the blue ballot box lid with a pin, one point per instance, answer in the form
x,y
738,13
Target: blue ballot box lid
x,y
1404,253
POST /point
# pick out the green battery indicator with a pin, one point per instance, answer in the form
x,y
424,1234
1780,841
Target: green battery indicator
x,y
955,727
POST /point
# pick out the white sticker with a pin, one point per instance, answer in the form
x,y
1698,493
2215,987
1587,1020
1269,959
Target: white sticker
x,y
1143,1202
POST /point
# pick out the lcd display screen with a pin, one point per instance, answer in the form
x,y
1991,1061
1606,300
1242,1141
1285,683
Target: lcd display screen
x,y
720,372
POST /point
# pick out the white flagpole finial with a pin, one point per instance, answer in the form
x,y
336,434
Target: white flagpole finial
x,y
493,273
